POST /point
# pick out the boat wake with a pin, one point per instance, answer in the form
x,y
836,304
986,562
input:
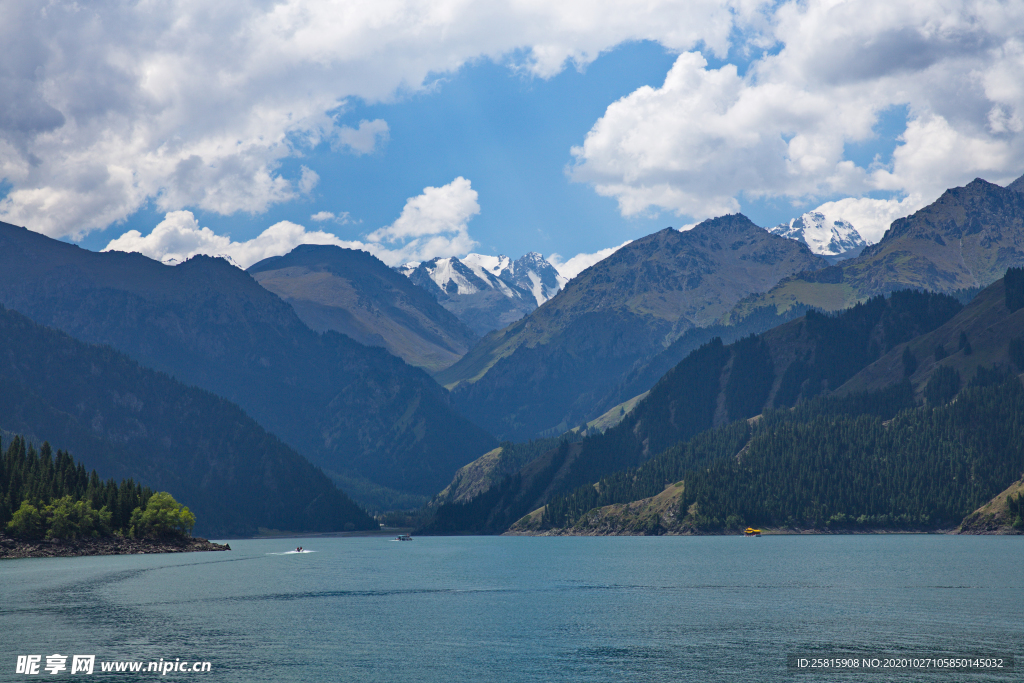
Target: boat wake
x,y
293,552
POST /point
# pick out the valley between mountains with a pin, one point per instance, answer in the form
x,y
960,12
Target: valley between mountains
x,y
700,381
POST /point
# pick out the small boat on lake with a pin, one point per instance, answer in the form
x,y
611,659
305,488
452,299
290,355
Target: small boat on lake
x,y
752,532
403,537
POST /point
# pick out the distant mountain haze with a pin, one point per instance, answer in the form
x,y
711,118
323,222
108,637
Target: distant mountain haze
x,y
358,412
355,293
127,421
487,292
550,370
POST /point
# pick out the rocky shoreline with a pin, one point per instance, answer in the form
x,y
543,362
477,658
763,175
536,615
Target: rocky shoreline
x,y
11,548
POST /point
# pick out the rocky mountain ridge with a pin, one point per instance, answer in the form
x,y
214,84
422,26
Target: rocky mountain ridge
x,y
487,292
965,239
550,370
356,294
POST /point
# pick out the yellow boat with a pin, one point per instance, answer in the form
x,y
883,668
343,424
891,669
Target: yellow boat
x,y
752,532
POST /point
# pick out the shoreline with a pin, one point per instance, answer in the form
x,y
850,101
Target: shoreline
x,y
12,548
953,531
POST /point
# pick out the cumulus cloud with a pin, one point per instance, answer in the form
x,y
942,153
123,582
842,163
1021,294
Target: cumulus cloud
x,y
108,106
178,237
871,217
580,262
709,136
434,223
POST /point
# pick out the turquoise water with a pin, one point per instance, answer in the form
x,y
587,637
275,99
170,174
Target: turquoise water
x,y
523,609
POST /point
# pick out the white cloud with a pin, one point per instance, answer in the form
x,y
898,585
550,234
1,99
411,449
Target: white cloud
x,y
108,106
178,237
361,140
434,223
871,217
580,262
343,218
709,136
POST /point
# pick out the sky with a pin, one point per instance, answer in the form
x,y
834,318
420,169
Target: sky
x,y
418,128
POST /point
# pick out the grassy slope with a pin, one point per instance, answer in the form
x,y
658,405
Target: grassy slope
x,y
990,518
642,517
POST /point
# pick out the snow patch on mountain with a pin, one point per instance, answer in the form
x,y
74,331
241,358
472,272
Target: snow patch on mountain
x,y
835,239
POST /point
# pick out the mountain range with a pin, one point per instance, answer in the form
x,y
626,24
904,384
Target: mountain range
x,y
660,360
550,371
354,293
375,424
880,357
966,239
487,292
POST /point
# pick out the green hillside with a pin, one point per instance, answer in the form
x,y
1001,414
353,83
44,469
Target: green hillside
x,y
829,466
718,384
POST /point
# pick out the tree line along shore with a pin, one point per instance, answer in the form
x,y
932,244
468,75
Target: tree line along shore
x,y
50,506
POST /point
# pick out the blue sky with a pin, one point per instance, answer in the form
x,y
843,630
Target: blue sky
x,y
508,133
418,128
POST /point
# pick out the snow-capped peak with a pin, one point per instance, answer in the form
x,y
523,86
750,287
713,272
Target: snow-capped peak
x,y
836,238
482,263
529,277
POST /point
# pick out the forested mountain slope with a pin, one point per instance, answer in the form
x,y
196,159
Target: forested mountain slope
x,y
551,370
359,412
862,462
713,386
127,421
984,334
355,293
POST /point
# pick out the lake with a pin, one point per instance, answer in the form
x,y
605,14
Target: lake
x,y
524,609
